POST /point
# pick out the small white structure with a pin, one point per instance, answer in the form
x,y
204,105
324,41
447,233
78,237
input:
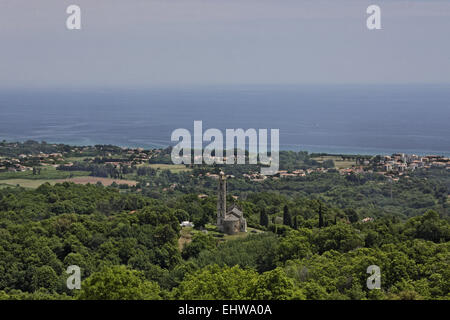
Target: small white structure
x,y
186,224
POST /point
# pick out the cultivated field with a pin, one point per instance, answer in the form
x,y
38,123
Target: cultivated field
x,y
34,183
47,173
94,180
339,163
175,168
26,183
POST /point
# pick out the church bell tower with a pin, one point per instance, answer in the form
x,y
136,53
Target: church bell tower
x,y
221,200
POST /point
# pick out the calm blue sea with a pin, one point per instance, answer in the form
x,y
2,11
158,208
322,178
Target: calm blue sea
x,y
333,119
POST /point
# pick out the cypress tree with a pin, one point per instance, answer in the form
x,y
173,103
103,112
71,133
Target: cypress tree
x,y
295,226
263,218
320,216
287,220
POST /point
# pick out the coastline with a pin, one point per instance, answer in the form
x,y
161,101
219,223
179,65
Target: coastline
x,y
316,149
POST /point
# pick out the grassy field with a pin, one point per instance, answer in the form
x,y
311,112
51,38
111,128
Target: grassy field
x,y
187,233
339,163
185,237
34,183
47,172
77,159
94,180
26,183
175,168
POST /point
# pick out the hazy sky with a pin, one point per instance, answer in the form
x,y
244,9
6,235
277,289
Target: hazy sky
x,y
144,43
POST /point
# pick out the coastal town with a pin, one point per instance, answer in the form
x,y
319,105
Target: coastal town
x,y
119,159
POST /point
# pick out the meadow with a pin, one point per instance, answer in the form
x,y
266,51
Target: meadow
x,y
339,162
49,174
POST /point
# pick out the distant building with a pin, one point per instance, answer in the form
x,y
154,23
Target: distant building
x,y
186,224
231,221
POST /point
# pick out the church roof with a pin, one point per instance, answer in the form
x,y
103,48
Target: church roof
x,y
235,211
231,217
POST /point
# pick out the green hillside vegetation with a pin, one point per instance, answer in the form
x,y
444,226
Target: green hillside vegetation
x,y
45,173
127,248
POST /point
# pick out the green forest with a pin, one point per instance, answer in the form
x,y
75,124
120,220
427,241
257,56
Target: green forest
x,y
309,237
127,246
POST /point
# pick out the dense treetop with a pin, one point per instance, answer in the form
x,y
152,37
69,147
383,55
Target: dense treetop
x,y
127,248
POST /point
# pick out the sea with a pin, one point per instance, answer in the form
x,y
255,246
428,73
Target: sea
x,y
336,119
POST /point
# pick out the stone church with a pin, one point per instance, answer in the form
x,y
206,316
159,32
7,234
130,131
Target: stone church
x,y
231,221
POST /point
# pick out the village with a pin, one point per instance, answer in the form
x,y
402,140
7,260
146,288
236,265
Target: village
x,y
393,166
115,156
120,158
